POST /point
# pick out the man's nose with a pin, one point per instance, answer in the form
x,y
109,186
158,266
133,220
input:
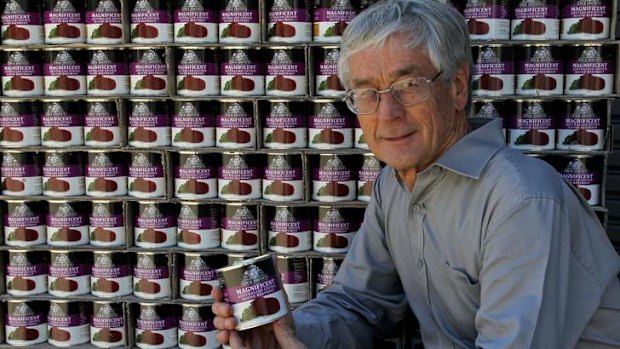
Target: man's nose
x,y
389,107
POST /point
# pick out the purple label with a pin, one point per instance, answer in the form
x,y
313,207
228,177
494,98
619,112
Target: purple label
x,y
63,69
486,12
329,15
147,69
239,224
531,123
555,67
198,223
582,11
156,223
21,171
493,69
101,120
19,121
536,12
603,67
332,227
146,172
62,121
196,326
108,222
198,69
580,123
29,320
582,178
73,271
94,17
322,122
232,174
31,18
22,70
294,15
116,272
63,171
63,17
107,69
294,277
17,222
202,121
327,69
326,175
194,173
150,16
198,275
27,270
61,222
206,16
295,121
250,16
283,175
111,171
157,120
247,293
152,274
107,322
156,325
286,69
230,122
67,321
290,227
242,69
368,176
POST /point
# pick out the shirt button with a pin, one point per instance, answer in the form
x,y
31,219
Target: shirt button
x,y
420,263
416,208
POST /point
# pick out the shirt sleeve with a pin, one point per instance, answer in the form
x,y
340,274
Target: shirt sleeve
x,y
366,300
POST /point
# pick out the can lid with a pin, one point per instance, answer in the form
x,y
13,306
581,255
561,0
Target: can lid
x,y
244,263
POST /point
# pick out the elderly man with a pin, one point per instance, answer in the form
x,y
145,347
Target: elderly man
x,y
488,247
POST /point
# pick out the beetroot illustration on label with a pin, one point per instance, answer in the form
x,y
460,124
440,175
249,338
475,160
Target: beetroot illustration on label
x,y
20,174
586,20
19,124
198,72
64,22
151,22
358,135
146,176
151,278
590,71
193,125
112,274
148,73
24,223
285,126
64,73
149,126
289,229
533,128
235,126
242,73
540,71
22,22
367,176
333,180
240,228
283,178
195,177
583,128
26,273
493,71
104,22
153,229
69,273
331,18
196,328
289,21
197,276
156,326
325,275
198,226
106,174
581,173
330,127
107,224
237,180
22,74
68,323
107,73
66,224
488,20
107,327
286,73
239,22
26,322
63,174
294,274
195,21
62,124
332,233
101,124
327,82
536,20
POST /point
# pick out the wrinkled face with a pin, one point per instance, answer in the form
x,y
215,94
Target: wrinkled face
x,y
407,138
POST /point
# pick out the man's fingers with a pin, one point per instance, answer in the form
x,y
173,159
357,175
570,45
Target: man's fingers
x,y
217,294
224,323
222,309
235,340
222,336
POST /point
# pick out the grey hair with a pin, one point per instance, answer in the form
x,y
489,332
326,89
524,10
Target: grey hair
x,y
430,25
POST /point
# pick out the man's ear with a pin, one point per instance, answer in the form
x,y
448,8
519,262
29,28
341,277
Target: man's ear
x,y
460,87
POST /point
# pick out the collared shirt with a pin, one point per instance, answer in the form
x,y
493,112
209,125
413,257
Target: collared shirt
x,y
491,249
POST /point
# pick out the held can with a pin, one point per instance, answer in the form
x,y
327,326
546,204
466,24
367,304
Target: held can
x,y
102,124
22,73
289,229
156,326
26,272
64,72
67,223
193,124
197,275
24,223
112,274
196,21
198,226
195,175
285,125
107,326
239,21
108,73
26,322
104,22
69,273
20,125
289,22
63,174
151,21
155,225
149,124
106,173
148,73
198,71
151,276
240,227
64,21
107,224
196,328
20,173
146,175
22,22
68,323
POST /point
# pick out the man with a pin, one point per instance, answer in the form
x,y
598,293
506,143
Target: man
x,y
490,248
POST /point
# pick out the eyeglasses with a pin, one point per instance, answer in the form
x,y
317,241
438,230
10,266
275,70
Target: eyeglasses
x,y
408,92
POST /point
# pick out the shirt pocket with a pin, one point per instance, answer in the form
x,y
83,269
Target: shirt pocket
x,y
465,288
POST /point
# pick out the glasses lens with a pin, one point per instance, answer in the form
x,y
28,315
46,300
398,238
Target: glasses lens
x,y
362,101
411,91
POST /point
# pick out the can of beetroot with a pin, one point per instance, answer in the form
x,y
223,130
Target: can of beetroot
x,y
26,322
104,22
331,18
68,323
197,275
330,126
102,123
26,272
112,274
289,229
62,123
64,21
539,70
334,177
289,21
22,22
107,224
69,273
198,226
585,172
532,126
327,82
493,70
21,173
106,173
286,72
193,124
234,125
582,125
149,123
536,20
488,20
367,175
196,328
67,223
151,276
294,274
283,177
64,72
155,225
242,71
196,21
107,70
240,227
590,70
239,176
239,21
358,135
107,326
151,21
148,73
146,175
333,228
63,174
325,270
19,124
24,222
491,108
156,326
198,71
195,175
284,125
586,20
22,73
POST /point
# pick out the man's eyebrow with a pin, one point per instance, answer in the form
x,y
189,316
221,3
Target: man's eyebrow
x,y
407,70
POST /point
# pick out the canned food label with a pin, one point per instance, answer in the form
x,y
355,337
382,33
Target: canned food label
x,y
293,121
241,69
112,171
107,322
203,16
107,69
101,120
17,121
250,16
147,69
116,272
63,69
15,221
198,223
581,178
196,326
155,273
61,17
583,11
198,275
156,325
151,16
67,321
239,174
28,320
21,171
101,17
20,70
536,12
239,294
290,15
164,222
74,271
237,224
112,221
332,15
235,121
63,171
480,12
283,175
198,69
29,270
149,121
197,122
32,18
146,172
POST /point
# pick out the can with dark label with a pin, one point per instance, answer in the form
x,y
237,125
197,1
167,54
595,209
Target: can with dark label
x,y
327,82
286,72
64,72
239,176
24,222
197,275
590,70
198,226
198,71
148,73
20,173
330,126
155,225
22,22
539,70
101,124
67,223
239,21
64,21
234,125
26,322
495,108
582,125
107,326
331,18
151,21
242,72
288,229
584,172
112,274
63,174
284,125
107,224
283,177
22,73
69,273
254,290
325,270
20,125
334,177
538,20
334,228
68,323
196,328
240,227
488,20
62,123
586,21
289,22
146,175
532,126
104,22
156,326
106,173
358,135
26,272
151,276
294,274
195,175
493,70
193,124
367,175
108,73
149,124
196,21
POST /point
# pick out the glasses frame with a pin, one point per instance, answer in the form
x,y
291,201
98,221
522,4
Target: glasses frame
x,y
349,94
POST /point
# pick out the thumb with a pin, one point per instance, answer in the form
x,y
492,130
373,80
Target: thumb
x,y
286,336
